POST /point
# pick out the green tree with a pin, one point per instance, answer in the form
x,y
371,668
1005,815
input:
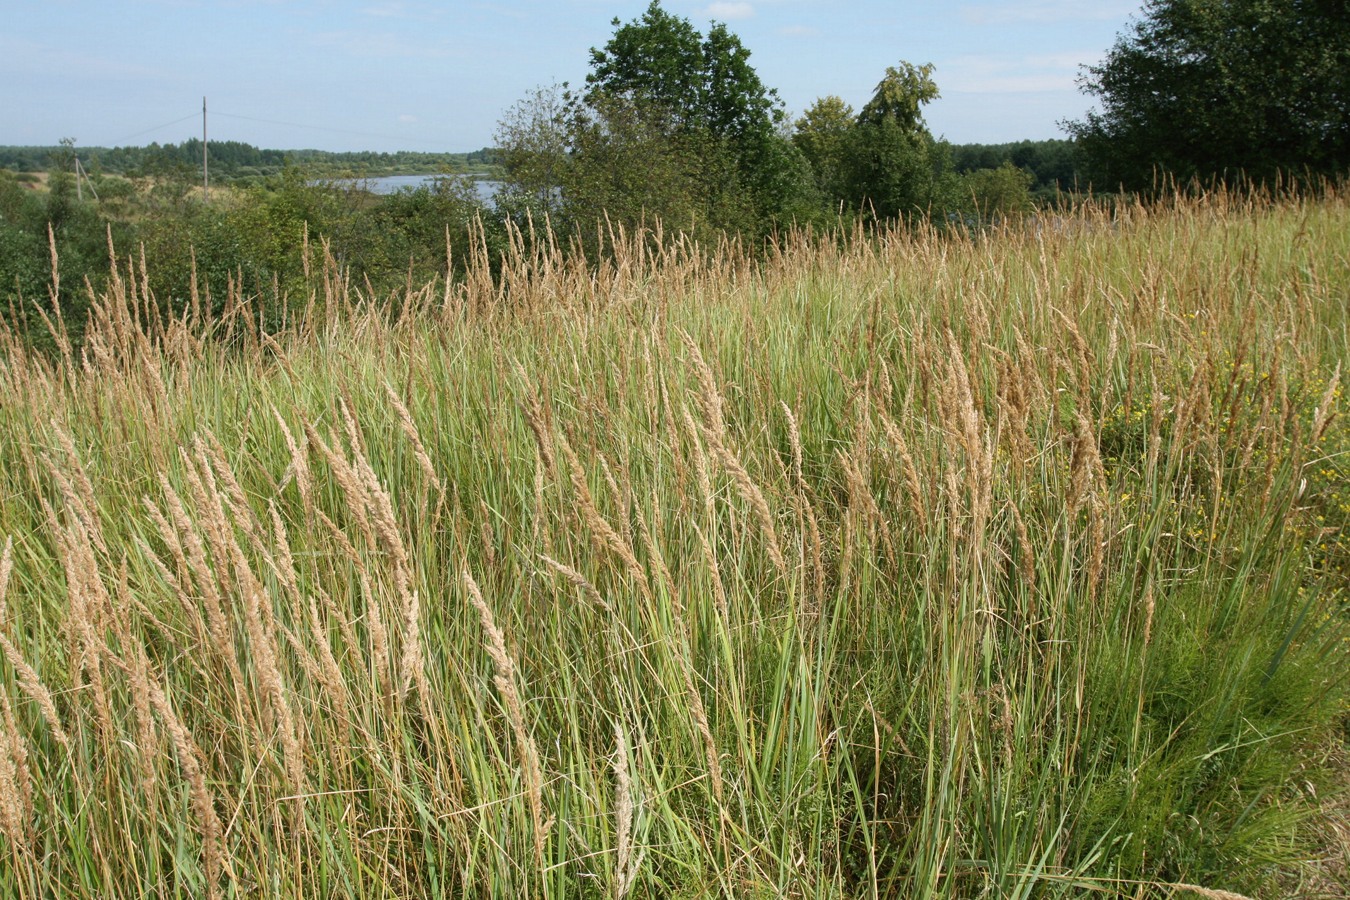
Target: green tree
x,y
893,166
405,235
628,168
661,62
535,144
671,124
702,94
1229,88
901,96
24,267
821,134
995,195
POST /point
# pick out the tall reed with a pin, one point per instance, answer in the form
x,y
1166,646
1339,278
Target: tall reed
x,y
887,563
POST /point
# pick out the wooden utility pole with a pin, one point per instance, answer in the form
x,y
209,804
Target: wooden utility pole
x,y
81,178
206,173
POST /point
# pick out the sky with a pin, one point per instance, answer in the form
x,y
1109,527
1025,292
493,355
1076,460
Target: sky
x,y
392,75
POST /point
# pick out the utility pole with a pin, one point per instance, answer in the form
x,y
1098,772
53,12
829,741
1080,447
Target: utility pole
x,y
206,174
81,177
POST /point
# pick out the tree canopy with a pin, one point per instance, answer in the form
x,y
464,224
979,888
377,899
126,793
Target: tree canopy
x,y
661,61
671,124
1228,88
676,125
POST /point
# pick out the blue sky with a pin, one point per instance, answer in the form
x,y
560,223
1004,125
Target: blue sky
x,y
416,75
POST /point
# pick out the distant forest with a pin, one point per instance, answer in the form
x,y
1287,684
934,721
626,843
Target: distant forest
x,y
234,160
1053,164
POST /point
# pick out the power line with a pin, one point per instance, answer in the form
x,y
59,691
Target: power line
x,y
156,128
369,134
346,131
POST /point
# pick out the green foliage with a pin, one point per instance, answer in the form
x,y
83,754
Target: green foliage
x,y
998,194
252,244
673,125
29,223
406,236
629,168
822,135
24,271
660,62
893,173
1222,88
883,162
900,97
235,160
1054,164
894,168
535,152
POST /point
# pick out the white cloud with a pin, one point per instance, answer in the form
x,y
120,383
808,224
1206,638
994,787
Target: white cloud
x,y
1033,73
407,119
1045,12
726,11
375,44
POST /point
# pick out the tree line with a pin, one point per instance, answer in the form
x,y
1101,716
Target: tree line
x,y
235,160
674,125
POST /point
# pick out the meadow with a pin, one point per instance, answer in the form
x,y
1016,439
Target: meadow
x,y
889,563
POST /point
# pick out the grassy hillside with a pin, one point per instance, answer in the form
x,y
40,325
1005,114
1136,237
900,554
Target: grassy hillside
x,y
898,565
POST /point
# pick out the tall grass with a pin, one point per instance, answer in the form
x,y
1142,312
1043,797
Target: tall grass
x,y
896,564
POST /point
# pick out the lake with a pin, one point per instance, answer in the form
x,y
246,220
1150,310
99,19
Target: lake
x,y
390,184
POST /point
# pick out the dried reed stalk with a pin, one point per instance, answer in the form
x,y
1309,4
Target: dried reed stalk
x,y
602,533
626,862
505,680
306,609
268,667
16,782
1026,560
1325,410
304,482
914,492
758,505
32,685
191,761
537,418
579,581
701,468
138,676
699,714
1208,893
412,664
410,431
709,398
958,405
6,568
222,643
379,636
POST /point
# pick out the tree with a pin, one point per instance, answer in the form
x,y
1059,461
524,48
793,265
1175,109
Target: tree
x,y
660,61
1228,88
996,195
892,165
901,96
671,124
534,150
822,135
